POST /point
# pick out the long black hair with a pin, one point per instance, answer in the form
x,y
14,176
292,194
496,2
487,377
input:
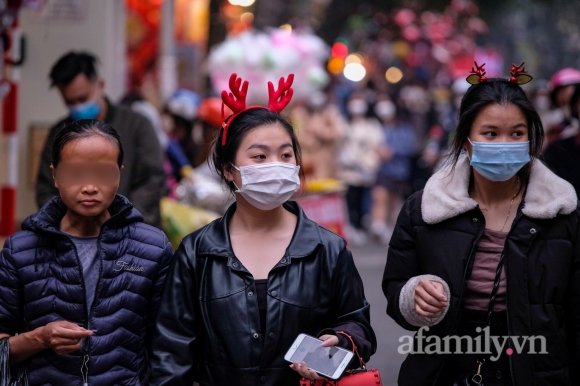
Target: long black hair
x,y
85,128
502,92
223,156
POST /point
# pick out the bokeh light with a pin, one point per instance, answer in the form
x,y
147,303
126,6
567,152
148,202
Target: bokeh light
x,y
339,50
247,17
335,66
394,75
353,58
286,27
354,72
242,3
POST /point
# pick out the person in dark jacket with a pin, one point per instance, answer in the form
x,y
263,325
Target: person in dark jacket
x,y
241,289
563,155
143,180
80,284
495,223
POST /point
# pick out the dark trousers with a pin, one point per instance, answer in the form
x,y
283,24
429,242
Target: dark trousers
x,y
494,373
356,201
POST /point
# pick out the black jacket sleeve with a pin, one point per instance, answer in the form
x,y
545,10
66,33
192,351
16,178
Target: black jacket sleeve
x,y
573,308
176,337
148,176
402,263
351,308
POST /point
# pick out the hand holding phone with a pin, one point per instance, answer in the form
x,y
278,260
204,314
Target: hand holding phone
x,y
311,357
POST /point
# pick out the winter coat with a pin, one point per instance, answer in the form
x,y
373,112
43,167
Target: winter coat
x,y
436,234
143,177
41,281
208,328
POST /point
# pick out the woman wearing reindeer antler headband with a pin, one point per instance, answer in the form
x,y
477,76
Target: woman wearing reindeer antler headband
x,y
488,254
241,289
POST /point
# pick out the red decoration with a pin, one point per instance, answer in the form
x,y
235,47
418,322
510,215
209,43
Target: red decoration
x,y
519,74
477,74
236,99
280,98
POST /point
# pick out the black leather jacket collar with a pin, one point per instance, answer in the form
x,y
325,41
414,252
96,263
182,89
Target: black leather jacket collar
x,y
306,239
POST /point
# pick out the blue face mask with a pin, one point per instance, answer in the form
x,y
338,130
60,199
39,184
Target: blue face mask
x,y
499,161
87,110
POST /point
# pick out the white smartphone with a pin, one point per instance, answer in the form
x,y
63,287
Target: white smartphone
x,y
330,362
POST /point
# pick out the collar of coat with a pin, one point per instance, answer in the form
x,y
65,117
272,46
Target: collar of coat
x,y
446,194
216,237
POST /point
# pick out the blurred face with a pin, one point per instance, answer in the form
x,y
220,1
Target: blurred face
x,y
563,95
82,90
88,176
264,144
499,123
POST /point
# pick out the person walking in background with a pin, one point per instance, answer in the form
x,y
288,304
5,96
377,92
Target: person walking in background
x,y
492,241
142,180
241,289
359,162
395,170
80,284
563,155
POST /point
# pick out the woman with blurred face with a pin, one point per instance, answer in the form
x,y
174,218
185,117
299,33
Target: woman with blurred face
x,y
489,252
80,284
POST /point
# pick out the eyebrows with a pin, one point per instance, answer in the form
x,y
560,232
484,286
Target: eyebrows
x,y
267,148
520,125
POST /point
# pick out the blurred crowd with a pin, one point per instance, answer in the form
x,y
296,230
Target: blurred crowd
x,y
381,143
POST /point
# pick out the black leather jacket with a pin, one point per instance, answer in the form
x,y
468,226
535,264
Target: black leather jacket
x,y
208,326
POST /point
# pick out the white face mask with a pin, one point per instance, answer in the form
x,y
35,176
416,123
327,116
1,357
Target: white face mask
x,y
267,186
385,110
357,107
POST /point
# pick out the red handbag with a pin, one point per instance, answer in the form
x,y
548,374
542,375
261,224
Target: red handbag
x,y
358,377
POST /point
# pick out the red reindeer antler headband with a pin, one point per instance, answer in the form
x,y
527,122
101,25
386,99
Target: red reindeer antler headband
x,y
236,99
518,74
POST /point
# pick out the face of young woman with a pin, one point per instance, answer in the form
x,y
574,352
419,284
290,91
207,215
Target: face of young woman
x,y
499,123
88,175
264,144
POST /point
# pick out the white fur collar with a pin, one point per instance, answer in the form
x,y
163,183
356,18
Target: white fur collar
x,y
446,193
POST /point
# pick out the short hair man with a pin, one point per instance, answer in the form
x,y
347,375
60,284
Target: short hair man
x,y
82,90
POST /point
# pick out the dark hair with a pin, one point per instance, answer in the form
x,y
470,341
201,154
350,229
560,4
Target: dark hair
x,y
85,128
502,92
70,66
575,101
239,127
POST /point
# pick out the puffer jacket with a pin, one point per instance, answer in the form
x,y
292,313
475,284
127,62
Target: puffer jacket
x,y
208,328
41,281
437,232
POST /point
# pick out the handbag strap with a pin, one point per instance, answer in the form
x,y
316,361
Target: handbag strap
x,y
496,283
354,348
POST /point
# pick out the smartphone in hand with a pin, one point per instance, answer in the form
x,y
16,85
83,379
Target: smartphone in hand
x,y
330,362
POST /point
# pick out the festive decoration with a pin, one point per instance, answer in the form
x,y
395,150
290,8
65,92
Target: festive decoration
x,y
519,75
477,74
262,57
236,98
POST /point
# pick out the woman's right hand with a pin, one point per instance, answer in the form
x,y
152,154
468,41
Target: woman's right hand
x,y
63,337
429,298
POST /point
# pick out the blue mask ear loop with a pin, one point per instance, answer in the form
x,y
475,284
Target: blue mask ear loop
x,y
467,151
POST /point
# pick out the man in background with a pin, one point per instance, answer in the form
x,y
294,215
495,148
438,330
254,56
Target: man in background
x,y
82,91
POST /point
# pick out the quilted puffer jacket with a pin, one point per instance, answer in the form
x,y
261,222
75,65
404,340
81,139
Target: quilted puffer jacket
x,y
41,281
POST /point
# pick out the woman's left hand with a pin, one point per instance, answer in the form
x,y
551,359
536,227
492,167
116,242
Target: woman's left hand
x,y
302,368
